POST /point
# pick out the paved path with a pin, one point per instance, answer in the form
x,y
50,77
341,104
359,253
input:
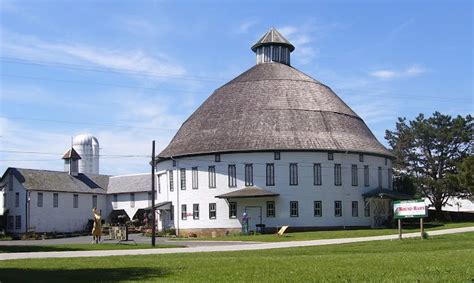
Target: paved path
x,y
138,238
222,248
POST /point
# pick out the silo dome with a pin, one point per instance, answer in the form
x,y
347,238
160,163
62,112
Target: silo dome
x,y
88,148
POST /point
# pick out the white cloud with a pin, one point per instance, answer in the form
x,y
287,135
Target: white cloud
x,y
412,71
245,26
138,61
384,74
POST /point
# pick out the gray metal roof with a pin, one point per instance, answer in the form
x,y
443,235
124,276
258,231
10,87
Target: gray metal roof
x,y
71,154
273,106
272,37
129,183
56,181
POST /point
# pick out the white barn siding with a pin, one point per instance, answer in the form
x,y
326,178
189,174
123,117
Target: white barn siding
x,y
64,218
12,188
305,192
123,202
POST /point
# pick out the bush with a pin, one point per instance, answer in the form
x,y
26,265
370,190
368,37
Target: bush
x,y
425,235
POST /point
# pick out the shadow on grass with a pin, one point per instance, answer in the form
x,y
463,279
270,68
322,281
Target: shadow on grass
x,y
26,249
81,275
416,225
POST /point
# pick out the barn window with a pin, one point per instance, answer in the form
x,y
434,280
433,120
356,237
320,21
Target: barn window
x,y
330,156
182,176
355,209
75,201
276,155
317,174
366,176
55,200
232,209
94,201
294,209
318,208
248,174
337,175
184,212
293,174
212,177
270,176
171,180
338,208
232,174
195,180
196,211
270,209
355,175
39,201
212,211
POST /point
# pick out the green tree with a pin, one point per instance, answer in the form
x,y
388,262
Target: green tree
x,y
464,178
428,149
404,183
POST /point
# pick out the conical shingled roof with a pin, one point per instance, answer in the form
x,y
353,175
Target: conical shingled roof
x,y
273,37
273,106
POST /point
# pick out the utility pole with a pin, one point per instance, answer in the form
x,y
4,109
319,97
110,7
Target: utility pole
x,y
153,212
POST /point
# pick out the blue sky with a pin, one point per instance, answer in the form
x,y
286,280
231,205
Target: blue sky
x,y
129,72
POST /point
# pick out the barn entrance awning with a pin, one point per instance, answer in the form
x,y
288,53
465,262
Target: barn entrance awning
x,y
161,206
386,194
249,192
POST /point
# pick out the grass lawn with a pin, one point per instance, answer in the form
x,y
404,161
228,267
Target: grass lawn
x,y
78,247
317,235
445,258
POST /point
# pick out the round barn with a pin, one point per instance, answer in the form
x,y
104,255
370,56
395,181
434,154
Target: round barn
x,y
279,146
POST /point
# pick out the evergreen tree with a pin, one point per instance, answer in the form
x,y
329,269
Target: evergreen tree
x,y
429,150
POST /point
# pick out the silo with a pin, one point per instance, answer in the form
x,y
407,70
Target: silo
x,y
88,148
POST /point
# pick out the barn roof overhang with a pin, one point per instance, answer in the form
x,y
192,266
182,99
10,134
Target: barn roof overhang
x,y
248,192
386,194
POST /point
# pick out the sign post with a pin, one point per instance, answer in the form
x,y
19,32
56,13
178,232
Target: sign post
x,y
399,228
409,209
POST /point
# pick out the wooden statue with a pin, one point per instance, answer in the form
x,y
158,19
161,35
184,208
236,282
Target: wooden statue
x,y
97,228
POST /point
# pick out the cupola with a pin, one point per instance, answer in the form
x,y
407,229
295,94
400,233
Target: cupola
x,y
71,162
273,47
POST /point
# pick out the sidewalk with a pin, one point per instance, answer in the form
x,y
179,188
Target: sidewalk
x,y
223,248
